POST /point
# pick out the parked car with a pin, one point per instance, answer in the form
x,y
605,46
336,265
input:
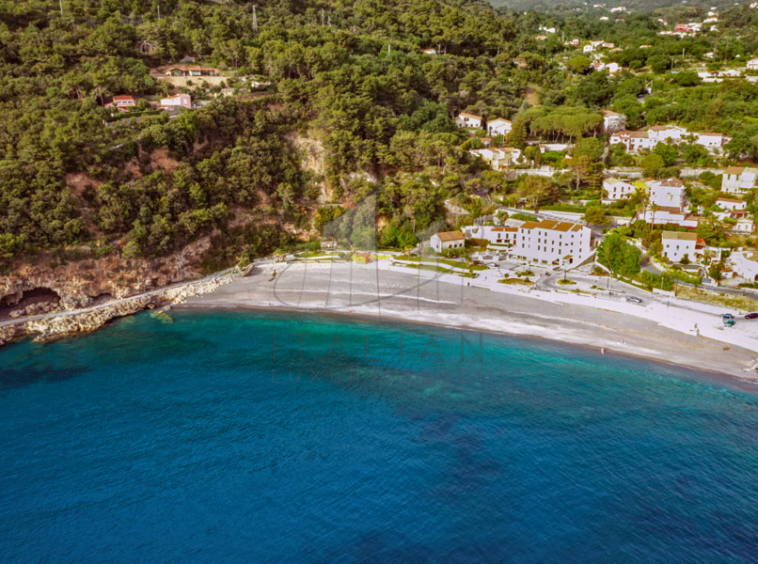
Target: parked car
x,y
753,315
634,300
726,316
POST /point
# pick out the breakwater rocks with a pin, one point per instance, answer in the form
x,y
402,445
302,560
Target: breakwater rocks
x,y
64,324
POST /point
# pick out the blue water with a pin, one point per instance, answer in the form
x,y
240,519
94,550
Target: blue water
x,y
187,442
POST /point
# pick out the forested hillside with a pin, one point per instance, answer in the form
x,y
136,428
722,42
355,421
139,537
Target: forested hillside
x,y
351,74
371,87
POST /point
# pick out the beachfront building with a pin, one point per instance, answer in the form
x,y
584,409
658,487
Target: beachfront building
x,y
612,121
495,235
469,121
499,126
738,180
616,189
745,264
557,243
447,240
677,245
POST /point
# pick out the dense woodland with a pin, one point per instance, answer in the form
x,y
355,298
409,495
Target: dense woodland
x,y
351,75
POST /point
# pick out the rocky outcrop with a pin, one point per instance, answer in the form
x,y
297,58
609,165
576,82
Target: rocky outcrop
x,y
89,281
52,327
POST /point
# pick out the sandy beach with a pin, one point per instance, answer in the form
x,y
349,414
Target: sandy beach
x,y
447,300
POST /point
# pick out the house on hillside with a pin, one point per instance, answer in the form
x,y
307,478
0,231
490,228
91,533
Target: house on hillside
x,y
616,189
677,244
469,121
635,141
499,126
612,121
177,101
121,103
446,240
731,204
191,71
745,264
752,64
738,180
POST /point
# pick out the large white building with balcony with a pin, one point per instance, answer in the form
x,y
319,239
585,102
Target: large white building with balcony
x,y
557,243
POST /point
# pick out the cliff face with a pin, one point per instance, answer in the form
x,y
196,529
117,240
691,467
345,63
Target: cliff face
x,y
46,286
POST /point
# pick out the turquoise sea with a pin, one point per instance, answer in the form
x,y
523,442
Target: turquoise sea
x,y
194,442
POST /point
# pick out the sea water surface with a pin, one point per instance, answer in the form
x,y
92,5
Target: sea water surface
x,y
194,441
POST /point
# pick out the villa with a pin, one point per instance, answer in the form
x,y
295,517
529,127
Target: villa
x,y
677,245
752,64
616,189
469,121
499,159
121,103
177,101
745,264
731,204
553,242
612,121
499,126
738,180
635,141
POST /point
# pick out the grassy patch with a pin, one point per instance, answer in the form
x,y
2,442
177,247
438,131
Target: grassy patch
x,y
516,282
441,270
724,300
565,282
525,273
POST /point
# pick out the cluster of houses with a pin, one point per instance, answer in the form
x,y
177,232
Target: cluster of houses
x,y
647,139
667,203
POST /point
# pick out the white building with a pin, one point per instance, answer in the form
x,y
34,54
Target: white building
x,y
713,142
448,240
612,121
500,158
746,265
677,244
752,64
738,180
499,126
744,226
617,189
553,242
667,193
635,141
497,236
731,204
469,121
177,101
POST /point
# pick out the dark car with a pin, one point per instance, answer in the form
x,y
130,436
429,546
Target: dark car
x,y
727,316
753,315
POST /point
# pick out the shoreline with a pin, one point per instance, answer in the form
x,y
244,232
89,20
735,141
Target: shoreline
x,y
593,328
741,383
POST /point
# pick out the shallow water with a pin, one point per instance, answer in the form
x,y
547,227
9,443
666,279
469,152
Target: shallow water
x,y
190,442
